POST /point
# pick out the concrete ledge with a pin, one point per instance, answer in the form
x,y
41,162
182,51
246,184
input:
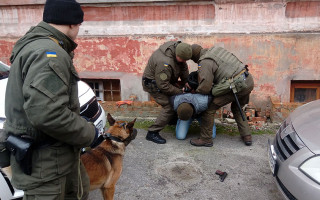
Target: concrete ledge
x,y
37,2
40,2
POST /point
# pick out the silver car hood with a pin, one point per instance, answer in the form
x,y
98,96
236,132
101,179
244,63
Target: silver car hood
x,y
306,122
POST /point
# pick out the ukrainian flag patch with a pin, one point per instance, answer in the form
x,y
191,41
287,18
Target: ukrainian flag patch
x,y
51,54
166,65
199,66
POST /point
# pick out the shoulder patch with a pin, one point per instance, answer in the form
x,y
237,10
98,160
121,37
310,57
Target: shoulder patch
x,y
51,54
163,76
199,66
165,64
52,83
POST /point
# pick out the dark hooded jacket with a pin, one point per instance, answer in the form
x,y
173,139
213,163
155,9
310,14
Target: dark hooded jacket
x,y
42,101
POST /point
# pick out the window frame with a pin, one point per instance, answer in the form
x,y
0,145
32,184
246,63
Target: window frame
x,y
315,84
112,90
102,90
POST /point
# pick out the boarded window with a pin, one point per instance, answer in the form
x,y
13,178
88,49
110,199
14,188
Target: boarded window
x,y
112,90
106,89
304,91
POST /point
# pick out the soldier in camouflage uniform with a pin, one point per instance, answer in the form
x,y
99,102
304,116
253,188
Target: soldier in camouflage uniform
x,y
42,103
214,65
160,79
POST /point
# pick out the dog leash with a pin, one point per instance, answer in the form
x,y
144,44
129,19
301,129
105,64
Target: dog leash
x,y
80,188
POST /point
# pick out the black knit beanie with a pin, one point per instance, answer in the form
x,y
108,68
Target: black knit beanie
x,y
62,12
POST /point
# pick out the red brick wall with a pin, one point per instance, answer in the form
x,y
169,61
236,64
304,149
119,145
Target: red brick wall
x,y
280,111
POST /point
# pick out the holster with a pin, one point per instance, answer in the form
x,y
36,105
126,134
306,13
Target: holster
x,y
4,153
151,85
236,84
21,146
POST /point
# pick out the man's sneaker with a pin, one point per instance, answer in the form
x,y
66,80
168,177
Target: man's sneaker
x,y
155,137
247,140
201,142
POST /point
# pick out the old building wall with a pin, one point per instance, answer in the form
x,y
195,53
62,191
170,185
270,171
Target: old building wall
x,y
279,40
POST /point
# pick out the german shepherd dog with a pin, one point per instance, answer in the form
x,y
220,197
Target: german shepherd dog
x,y
104,162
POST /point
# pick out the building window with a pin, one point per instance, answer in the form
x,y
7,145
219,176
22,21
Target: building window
x,y
112,90
304,91
105,89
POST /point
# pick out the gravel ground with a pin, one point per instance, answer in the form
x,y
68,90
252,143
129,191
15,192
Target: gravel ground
x,y
178,170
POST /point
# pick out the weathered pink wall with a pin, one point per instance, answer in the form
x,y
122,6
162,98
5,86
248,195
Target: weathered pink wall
x,y
278,40
149,13
305,9
273,60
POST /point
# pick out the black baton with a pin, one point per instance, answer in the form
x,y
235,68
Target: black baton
x,y
235,96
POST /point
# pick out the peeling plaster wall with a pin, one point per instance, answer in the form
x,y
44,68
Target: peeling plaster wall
x,y
197,17
279,40
274,60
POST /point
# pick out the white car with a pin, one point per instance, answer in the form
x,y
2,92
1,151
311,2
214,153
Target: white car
x,y
4,70
89,107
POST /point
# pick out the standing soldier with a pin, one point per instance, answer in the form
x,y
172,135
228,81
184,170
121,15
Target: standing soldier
x,y
46,131
227,78
160,79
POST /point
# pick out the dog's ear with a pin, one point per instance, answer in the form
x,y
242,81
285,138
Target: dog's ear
x,y
110,119
131,124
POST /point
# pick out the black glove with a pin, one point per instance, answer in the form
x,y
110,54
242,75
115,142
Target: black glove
x,y
86,118
97,139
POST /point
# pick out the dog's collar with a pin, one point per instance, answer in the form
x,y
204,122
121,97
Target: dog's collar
x,y
108,135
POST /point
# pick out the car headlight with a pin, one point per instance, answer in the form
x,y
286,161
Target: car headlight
x,y
311,168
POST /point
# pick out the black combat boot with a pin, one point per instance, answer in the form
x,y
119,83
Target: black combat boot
x,y
155,137
247,140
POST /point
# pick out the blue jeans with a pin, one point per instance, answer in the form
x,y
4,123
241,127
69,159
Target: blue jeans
x,y
182,128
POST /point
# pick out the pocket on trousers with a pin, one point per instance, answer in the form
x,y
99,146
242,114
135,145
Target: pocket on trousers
x,y
48,190
66,159
54,160
45,163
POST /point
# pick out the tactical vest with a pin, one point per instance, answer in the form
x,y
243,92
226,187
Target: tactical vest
x,y
228,64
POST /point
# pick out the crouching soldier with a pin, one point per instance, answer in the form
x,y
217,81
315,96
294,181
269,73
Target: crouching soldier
x,y
224,76
160,79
